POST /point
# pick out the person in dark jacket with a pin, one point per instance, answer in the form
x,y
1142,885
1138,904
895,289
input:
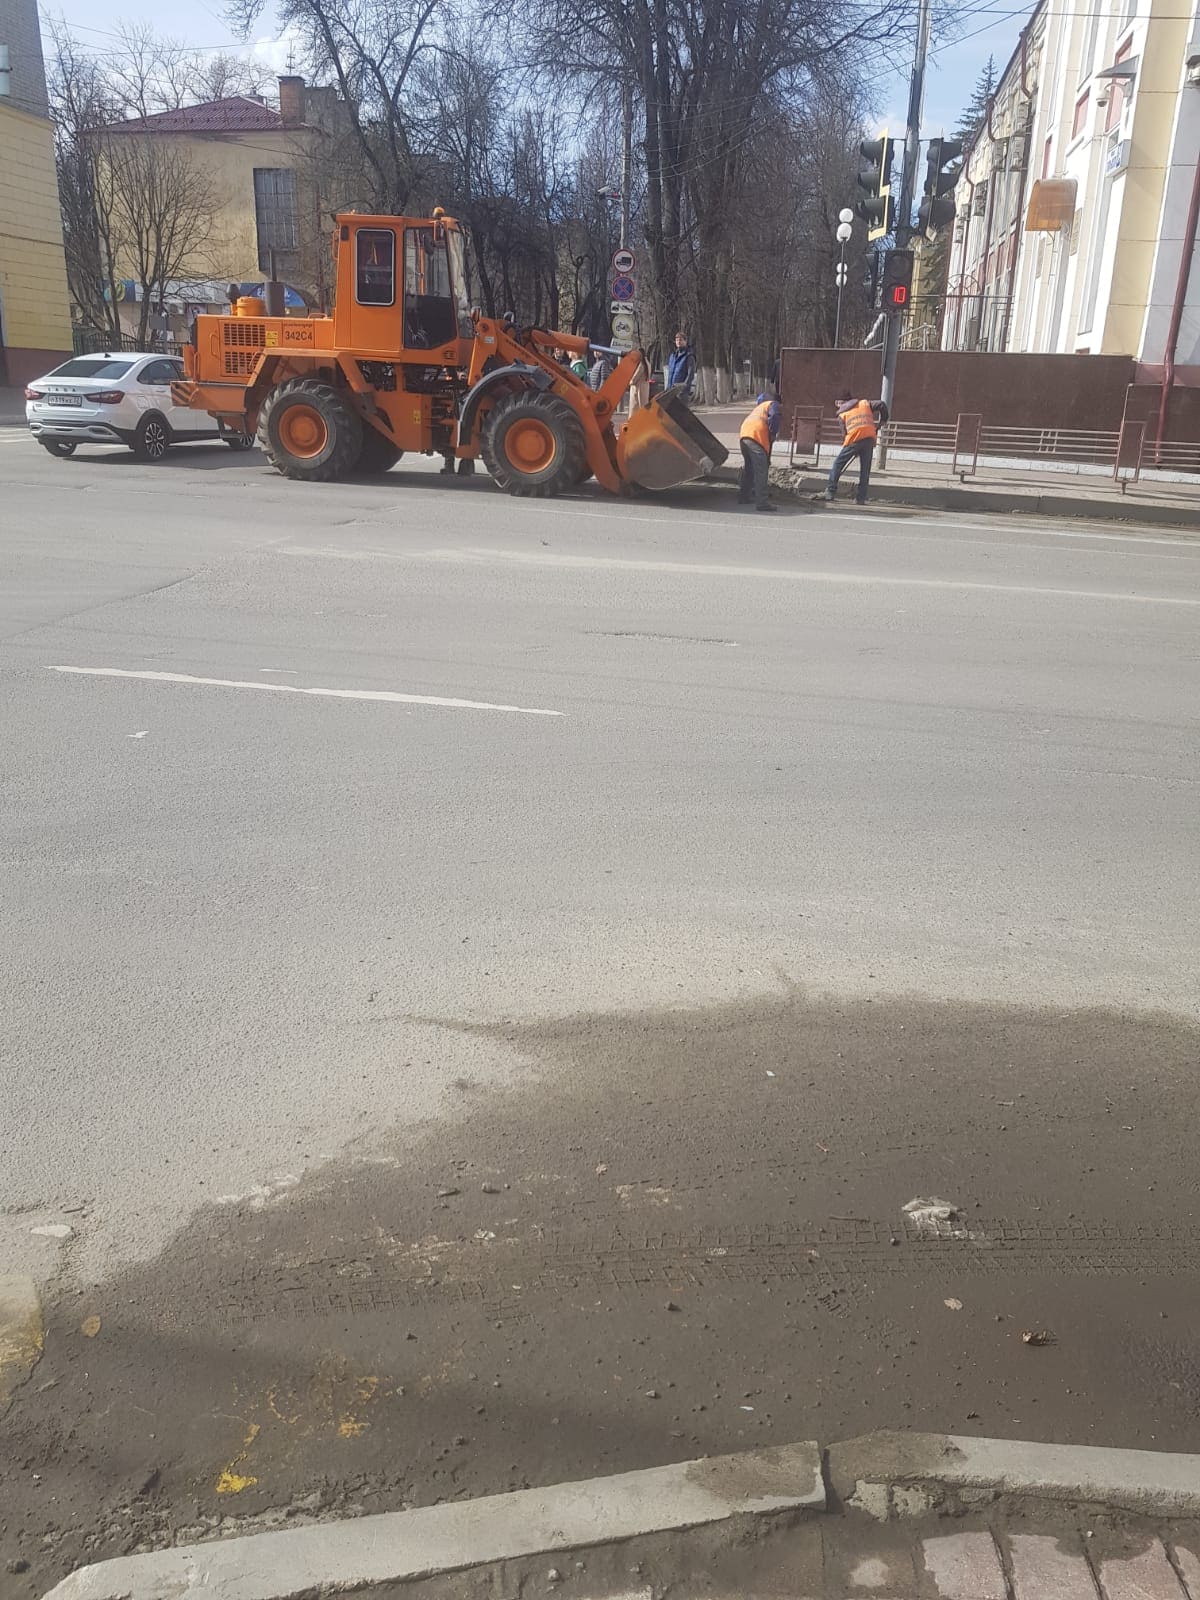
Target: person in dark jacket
x,y
681,368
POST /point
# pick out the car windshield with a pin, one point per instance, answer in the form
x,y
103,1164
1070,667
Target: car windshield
x,y
92,367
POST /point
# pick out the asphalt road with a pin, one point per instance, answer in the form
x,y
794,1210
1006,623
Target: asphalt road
x,y
510,1057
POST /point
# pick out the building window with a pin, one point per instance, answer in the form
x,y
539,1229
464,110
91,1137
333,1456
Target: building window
x,y
275,213
1079,122
1087,54
1118,88
1129,12
375,267
1046,158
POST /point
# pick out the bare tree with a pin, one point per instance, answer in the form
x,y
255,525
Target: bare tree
x,y
371,49
161,211
146,71
131,206
222,74
523,176
800,173
80,104
705,73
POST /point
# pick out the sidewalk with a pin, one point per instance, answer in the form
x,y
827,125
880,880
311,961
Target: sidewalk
x,y
1031,492
894,1516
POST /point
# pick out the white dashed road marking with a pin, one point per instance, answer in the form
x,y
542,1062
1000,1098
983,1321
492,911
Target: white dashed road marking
x,y
388,695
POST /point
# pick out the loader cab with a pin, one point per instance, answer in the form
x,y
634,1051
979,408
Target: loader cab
x,y
402,290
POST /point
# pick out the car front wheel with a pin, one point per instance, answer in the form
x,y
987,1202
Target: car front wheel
x,y
239,441
152,439
58,447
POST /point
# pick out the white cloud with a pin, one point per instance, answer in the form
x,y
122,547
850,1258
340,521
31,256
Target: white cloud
x,y
276,52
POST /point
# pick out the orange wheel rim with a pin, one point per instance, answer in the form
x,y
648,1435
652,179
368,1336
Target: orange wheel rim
x,y
530,445
303,431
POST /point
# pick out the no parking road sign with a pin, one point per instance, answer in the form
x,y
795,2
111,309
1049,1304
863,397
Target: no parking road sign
x,y
623,288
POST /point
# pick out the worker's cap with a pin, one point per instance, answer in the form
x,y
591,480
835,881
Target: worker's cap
x,y
763,397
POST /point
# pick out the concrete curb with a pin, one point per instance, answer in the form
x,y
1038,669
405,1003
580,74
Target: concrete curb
x,y
952,497
363,1553
906,1474
886,1475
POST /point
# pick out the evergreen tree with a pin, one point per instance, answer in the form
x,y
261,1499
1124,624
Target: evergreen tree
x,y
973,117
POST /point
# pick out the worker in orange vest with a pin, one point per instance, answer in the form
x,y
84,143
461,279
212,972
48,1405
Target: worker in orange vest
x,y
861,421
758,434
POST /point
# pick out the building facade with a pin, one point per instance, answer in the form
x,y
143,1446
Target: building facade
x,y
35,322
1074,202
262,166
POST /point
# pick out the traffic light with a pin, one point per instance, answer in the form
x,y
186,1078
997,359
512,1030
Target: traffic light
x,y
878,211
941,176
897,279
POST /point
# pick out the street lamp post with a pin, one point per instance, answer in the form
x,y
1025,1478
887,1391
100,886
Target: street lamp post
x,y
844,230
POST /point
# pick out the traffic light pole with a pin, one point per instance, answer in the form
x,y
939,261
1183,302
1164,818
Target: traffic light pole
x,y
908,189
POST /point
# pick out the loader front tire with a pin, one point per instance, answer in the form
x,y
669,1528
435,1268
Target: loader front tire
x,y
308,431
533,444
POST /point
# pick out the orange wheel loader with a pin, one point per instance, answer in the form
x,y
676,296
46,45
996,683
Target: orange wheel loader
x,y
403,363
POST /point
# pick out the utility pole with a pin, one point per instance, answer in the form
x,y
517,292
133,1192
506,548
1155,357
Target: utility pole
x,y
626,155
908,186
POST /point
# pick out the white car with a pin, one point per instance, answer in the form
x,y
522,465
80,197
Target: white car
x,y
124,398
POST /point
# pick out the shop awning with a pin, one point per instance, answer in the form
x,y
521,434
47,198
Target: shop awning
x,y
1051,205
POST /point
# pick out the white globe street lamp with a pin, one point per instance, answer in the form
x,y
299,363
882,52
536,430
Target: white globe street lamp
x,y
842,235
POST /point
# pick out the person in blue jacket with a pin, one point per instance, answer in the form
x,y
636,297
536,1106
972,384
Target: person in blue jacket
x,y
681,367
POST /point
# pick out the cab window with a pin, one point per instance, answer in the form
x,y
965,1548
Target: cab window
x,y
429,309
375,267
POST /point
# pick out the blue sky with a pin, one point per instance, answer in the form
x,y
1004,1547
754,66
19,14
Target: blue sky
x,y
953,66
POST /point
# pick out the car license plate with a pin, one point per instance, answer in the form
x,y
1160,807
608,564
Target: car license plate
x,y
66,400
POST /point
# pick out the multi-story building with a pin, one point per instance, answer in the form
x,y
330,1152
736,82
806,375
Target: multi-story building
x,y
990,197
1075,203
35,322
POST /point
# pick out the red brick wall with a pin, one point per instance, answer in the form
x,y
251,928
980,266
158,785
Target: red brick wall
x,y
19,367
1011,391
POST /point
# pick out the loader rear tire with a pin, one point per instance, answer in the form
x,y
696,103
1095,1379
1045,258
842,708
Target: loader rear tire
x,y
308,431
533,444
379,454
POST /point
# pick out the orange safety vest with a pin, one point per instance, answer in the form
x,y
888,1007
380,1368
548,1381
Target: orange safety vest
x,y
859,422
755,426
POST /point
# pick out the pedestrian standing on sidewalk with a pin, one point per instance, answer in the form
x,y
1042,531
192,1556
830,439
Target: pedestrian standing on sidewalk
x,y
759,432
861,421
681,368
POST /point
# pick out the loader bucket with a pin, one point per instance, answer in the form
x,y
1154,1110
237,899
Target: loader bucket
x,y
663,444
